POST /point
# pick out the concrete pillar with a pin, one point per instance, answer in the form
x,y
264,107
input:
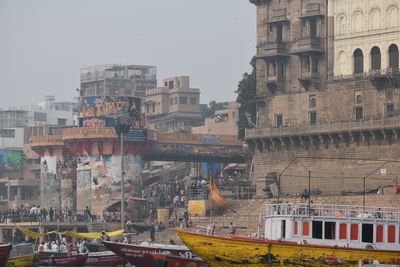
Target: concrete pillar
x,y
19,193
41,230
8,189
1,235
50,184
75,229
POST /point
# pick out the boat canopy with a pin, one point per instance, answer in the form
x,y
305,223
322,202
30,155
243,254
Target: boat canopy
x,y
35,235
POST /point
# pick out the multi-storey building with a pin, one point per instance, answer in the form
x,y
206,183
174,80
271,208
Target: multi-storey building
x,y
327,95
117,80
19,165
224,121
173,107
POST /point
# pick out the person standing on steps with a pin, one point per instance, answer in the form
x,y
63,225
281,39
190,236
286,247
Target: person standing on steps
x,y
152,233
232,229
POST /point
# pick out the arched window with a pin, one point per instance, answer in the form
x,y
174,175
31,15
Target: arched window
x,y
374,19
375,58
392,16
393,57
358,61
341,27
357,21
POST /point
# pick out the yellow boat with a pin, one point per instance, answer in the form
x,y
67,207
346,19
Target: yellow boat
x,y
23,261
296,235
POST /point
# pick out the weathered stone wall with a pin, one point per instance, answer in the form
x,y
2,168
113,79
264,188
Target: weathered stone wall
x,y
335,104
330,176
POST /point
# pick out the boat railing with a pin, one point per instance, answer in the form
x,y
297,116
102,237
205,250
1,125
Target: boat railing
x,y
330,210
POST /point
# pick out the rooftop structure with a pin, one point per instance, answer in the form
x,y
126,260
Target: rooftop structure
x,y
173,107
117,80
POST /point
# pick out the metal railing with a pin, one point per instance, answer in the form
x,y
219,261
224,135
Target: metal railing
x,y
327,210
341,126
231,192
368,74
19,216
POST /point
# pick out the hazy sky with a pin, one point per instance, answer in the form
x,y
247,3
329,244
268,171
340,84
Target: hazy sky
x,y
45,43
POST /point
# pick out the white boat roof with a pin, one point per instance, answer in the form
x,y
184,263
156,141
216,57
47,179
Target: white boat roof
x,y
332,210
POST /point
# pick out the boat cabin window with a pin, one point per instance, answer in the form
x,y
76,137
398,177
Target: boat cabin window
x,y
354,231
391,234
306,228
330,232
379,233
317,229
367,233
296,228
343,231
283,228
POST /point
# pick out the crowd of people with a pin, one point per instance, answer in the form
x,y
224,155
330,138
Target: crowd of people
x,y
40,214
175,193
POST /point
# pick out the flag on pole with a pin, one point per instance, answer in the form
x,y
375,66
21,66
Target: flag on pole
x,y
217,196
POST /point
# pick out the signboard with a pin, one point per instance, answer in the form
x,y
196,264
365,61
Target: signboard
x,y
383,172
211,138
136,135
103,106
94,122
198,207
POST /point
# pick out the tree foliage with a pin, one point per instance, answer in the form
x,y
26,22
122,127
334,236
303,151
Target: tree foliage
x,y
246,97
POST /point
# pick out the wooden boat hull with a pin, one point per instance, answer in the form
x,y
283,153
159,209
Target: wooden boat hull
x,y
23,261
220,251
165,260
4,253
139,255
71,260
106,258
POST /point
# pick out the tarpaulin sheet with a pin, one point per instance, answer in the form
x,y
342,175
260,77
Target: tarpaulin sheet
x,y
11,159
14,159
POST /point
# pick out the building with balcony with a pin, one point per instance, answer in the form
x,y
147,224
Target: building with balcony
x,y
173,107
335,116
117,80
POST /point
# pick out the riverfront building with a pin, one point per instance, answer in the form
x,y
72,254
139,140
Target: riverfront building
x,y
327,96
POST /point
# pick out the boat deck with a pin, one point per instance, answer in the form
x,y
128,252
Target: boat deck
x,y
329,210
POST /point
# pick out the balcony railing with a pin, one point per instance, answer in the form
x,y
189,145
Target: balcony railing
x,y
309,44
183,138
47,140
273,49
89,133
369,74
329,127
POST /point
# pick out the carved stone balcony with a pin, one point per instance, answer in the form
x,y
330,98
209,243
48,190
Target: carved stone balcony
x,y
307,79
274,83
273,50
278,15
312,10
309,45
